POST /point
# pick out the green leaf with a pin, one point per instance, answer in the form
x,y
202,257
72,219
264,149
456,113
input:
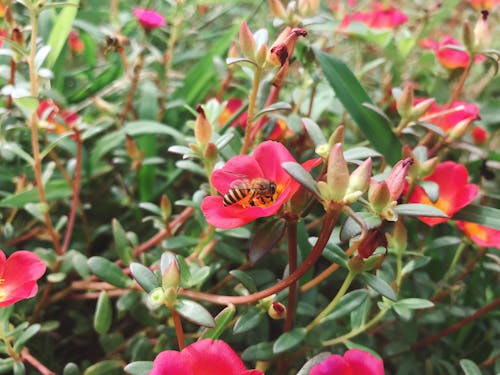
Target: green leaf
x,y
379,285
27,104
109,272
265,238
469,367
144,277
360,153
194,312
103,313
353,97
289,340
415,264
103,368
261,352
350,228
60,31
249,320
314,132
279,106
40,56
122,245
222,321
347,303
71,369
19,368
418,209
483,215
54,189
18,150
303,177
414,303
318,358
139,367
25,336
245,279
335,254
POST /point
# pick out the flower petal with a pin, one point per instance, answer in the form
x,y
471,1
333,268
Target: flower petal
x,y
22,266
362,362
270,155
172,362
333,364
236,168
481,235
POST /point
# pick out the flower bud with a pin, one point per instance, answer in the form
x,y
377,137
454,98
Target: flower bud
x,y
373,239
277,310
307,8
398,239
202,128
337,136
482,32
404,102
211,151
395,180
379,196
171,277
422,107
427,167
170,297
157,296
360,177
261,55
17,35
479,135
132,149
468,37
9,17
337,175
165,207
459,129
247,41
277,9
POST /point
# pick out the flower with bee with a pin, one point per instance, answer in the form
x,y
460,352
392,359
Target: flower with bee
x,y
251,186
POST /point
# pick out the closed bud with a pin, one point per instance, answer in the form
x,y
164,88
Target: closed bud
x,y
422,107
307,8
170,297
132,149
277,9
9,17
171,277
247,41
379,196
360,177
427,167
482,32
459,129
211,151
404,102
261,55
468,37
373,239
337,136
157,296
337,174
165,207
396,179
277,310
17,35
202,128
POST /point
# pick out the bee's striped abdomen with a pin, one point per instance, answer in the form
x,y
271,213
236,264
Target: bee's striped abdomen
x,y
234,195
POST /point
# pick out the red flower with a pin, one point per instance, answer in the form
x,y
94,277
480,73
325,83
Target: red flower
x,y
380,17
18,276
265,163
454,191
75,43
480,234
446,117
354,362
484,4
53,118
3,33
205,357
232,106
149,19
448,57
479,135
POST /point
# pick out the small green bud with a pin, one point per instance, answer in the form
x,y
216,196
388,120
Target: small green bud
x,y
157,296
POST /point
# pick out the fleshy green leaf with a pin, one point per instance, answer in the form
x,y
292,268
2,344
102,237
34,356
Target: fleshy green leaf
x,y
122,245
483,215
351,228
302,176
139,367
360,153
314,132
415,264
194,312
54,189
109,272
249,320
28,333
103,314
414,303
144,277
263,351
245,279
222,321
289,340
103,368
353,97
379,285
469,367
348,303
418,209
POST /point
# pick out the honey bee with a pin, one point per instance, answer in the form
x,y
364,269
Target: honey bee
x,y
251,192
115,43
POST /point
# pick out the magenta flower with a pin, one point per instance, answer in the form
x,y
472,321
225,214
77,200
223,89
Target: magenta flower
x,y
354,362
381,16
265,163
447,56
448,116
149,19
18,276
205,357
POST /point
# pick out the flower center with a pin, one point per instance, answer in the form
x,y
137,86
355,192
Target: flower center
x,y
476,230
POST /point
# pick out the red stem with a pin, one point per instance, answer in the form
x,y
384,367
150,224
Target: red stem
x,y
76,191
292,266
178,328
27,357
329,222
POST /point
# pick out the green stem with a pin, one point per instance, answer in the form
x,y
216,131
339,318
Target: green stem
x,y
342,291
356,331
247,140
454,261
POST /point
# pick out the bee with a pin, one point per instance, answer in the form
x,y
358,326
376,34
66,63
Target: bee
x,y
115,43
251,192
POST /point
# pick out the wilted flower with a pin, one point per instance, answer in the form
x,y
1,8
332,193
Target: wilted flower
x,y
75,43
448,116
353,362
454,191
149,19
18,276
447,54
204,357
53,118
479,234
241,175
381,16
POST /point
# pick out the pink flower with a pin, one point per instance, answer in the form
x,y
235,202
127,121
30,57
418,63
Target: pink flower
x,y
447,116
380,17
265,163
204,357
53,118
480,234
354,362
448,57
18,276
232,106
149,19
454,191
479,135
75,43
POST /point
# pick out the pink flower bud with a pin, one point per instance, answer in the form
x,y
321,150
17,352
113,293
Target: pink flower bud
x,y
202,128
395,180
247,41
337,175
